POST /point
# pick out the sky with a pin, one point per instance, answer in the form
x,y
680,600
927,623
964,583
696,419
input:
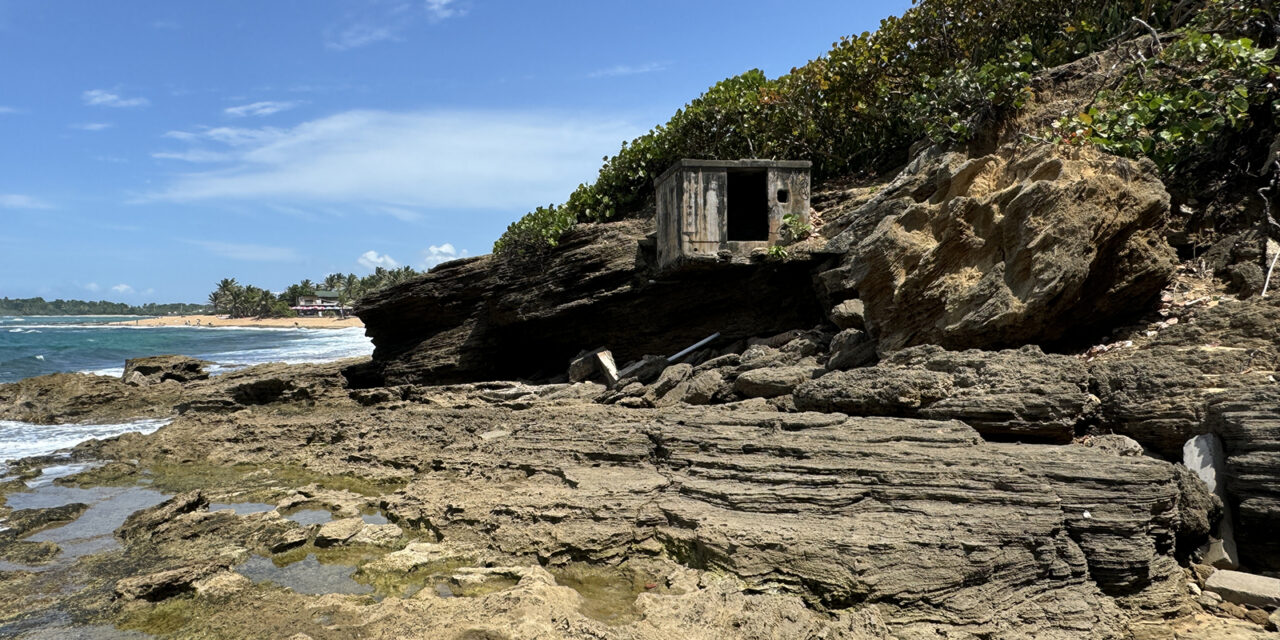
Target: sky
x,y
152,148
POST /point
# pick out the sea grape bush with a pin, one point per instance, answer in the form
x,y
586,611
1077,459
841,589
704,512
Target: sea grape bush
x,y
1179,103
928,73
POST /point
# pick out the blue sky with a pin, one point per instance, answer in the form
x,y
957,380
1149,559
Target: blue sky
x,y
152,148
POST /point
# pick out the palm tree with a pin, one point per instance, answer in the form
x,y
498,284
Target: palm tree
x,y
333,281
224,294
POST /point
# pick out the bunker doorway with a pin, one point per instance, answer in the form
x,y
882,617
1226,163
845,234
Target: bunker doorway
x,y
748,206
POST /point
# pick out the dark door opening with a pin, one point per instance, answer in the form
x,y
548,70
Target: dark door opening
x,y
748,206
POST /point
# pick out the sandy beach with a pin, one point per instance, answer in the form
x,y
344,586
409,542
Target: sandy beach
x,y
222,321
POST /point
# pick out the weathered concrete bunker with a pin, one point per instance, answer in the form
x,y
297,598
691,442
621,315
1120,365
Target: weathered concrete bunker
x,y
709,206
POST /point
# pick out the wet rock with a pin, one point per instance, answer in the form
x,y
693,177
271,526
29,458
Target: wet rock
x,y
339,502
28,552
165,584
80,397
772,382
338,531
1031,244
157,369
1245,588
289,539
851,348
1022,393
146,523
24,522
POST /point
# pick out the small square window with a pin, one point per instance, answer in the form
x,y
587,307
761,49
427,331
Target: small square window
x,y
784,195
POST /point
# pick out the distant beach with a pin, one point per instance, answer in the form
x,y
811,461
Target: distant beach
x,y
222,321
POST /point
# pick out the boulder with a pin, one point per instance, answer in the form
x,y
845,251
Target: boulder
x,y
1245,588
157,369
1023,393
772,382
338,531
377,535
700,389
1033,244
849,315
851,348
143,524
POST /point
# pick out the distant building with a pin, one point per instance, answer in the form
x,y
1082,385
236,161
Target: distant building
x,y
709,206
319,303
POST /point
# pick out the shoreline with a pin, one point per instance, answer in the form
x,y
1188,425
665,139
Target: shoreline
x,y
221,321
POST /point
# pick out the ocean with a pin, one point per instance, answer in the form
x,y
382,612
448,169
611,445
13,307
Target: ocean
x,y
39,345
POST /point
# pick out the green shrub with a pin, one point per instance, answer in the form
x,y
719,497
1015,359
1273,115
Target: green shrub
x,y
1180,102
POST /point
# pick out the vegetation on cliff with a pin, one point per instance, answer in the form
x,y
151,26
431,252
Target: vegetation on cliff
x,y
935,73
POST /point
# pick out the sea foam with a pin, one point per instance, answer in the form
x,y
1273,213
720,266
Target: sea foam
x,y
23,439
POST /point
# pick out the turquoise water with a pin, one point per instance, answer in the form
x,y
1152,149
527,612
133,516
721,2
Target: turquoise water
x,y
37,345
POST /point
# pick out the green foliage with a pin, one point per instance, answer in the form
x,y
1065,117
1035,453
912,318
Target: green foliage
x,y
928,73
1179,103
778,252
794,228
42,307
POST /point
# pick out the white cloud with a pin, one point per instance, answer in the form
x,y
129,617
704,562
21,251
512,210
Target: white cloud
x,y
192,155
122,288
434,255
92,126
6,110
627,70
92,286
359,35
264,108
166,24
442,9
104,98
394,162
20,201
372,260
383,21
248,252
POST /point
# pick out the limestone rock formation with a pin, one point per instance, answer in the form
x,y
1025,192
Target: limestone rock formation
x,y
1028,245
473,319
1023,393
1156,393
1249,424
157,369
